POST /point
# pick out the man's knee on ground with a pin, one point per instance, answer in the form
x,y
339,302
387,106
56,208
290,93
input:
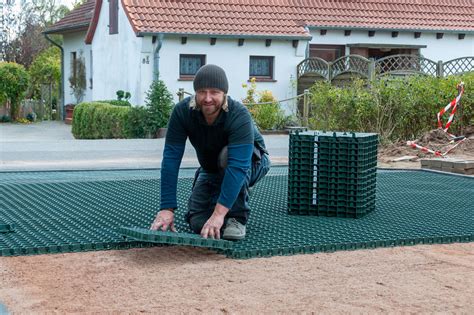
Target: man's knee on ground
x,y
196,222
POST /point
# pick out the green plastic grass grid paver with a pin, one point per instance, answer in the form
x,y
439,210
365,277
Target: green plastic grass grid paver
x,y
320,161
189,239
81,176
6,227
411,207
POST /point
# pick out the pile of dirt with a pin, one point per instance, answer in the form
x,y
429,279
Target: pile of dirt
x,y
436,140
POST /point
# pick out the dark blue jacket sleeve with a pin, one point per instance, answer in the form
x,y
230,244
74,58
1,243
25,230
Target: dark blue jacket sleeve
x,y
172,155
240,149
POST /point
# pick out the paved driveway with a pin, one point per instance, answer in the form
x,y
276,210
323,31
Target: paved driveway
x,y
51,146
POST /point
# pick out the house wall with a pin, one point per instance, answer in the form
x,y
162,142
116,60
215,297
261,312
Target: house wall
x,y
74,42
447,48
124,61
234,60
117,59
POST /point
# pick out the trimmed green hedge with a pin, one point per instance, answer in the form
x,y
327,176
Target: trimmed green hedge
x,y
116,102
118,119
96,120
396,108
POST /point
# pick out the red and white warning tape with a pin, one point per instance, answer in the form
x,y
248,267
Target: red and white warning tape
x,y
436,153
423,149
453,104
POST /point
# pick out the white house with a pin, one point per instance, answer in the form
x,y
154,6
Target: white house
x,y
126,44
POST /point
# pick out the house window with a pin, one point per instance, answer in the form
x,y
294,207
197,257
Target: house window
x,y
261,67
190,64
74,65
327,52
113,16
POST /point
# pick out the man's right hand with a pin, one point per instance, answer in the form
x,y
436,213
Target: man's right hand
x,y
164,220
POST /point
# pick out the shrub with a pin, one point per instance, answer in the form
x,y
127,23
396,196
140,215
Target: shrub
x,y
122,95
396,108
5,119
117,119
13,85
267,116
135,126
116,102
251,92
99,121
23,121
77,119
159,103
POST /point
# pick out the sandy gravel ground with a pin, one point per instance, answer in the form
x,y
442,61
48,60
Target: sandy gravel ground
x,y
418,279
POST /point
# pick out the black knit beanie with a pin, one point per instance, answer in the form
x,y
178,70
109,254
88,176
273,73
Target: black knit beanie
x,y
211,77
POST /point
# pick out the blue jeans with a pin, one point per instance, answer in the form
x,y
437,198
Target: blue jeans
x,y
206,191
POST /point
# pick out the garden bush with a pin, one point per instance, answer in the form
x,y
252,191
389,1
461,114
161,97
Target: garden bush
x,y
96,120
116,102
118,119
267,116
5,119
159,103
13,85
135,125
396,108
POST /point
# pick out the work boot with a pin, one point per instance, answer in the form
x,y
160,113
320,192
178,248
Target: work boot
x,y
234,230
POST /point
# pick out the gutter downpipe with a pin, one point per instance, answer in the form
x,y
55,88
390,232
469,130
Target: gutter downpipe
x,y
62,112
156,58
306,28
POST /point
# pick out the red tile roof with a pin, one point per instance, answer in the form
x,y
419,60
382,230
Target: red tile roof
x,y
286,18
217,17
435,15
77,19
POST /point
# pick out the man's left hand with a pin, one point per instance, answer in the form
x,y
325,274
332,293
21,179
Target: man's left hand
x,y
213,226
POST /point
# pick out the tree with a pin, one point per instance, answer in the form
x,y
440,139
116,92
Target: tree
x,y
24,48
45,69
159,103
44,12
77,3
9,21
23,39
13,84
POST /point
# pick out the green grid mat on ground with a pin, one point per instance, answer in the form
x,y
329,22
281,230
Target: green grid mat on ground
x,y
79,211
173,238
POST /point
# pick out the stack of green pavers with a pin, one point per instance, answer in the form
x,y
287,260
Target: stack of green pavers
x,y
332,173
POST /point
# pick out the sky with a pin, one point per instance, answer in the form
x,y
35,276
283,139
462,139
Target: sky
x,y
17,7
67,3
